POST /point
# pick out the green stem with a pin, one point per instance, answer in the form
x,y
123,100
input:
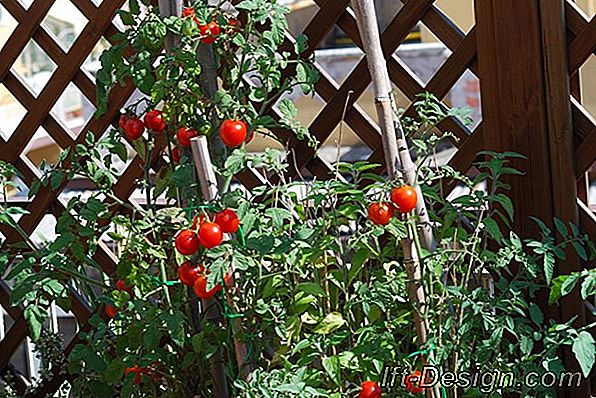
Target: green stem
x,y
164,279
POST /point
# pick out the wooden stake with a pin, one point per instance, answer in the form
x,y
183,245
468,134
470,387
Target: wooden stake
x,y
396,155
208,184
202,159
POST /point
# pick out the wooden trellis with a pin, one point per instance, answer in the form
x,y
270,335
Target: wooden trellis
x,y
527,55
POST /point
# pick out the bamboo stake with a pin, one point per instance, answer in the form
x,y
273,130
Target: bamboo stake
x,y
208,83
396,155
208,184
217,364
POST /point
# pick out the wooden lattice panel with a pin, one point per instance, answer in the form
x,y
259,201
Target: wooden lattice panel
x,y
582,43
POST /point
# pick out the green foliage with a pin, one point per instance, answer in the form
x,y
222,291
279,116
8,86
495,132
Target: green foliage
x,y
320,298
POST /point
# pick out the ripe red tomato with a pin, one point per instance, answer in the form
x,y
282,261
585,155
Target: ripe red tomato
x,y
188,273
187,242
137,370
110,310
233,132
380,213
154,121
200,288
176,155
412,382
184,135
405,198
209,32
234,25
123,287
122,121
370,389
188,12
134,128
210,234
227,220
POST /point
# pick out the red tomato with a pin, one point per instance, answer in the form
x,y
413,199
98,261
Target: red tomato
x,y
176,154
200,288
370,389
187,242
184,135
234,25
123,287
405,198
210,234
227,220
188,273
413,381
134,128
154,121
135,369
380,213
110,310
209,32
122,121
188,12
233,132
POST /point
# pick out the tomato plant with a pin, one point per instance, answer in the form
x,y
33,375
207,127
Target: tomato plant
x,y
319,298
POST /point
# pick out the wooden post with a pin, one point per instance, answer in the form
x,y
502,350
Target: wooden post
x,y
396,156
522,59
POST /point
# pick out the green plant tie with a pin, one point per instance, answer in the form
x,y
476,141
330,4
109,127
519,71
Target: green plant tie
x,y
422,352
159,282
425,353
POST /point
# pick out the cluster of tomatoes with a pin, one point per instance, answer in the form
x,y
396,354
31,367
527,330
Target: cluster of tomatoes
x,y
211,30
403,200
232,132
371,389
207,234
134,127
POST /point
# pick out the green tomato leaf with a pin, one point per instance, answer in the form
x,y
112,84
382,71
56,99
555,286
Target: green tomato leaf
x,y
114,371
330,323
584,349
